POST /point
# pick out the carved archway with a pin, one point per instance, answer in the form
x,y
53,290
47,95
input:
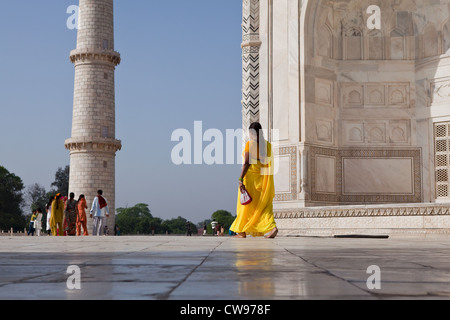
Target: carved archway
x,y
373,106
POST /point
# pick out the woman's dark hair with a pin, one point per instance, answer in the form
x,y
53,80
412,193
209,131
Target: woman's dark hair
x,y
72,195
257,127
81,197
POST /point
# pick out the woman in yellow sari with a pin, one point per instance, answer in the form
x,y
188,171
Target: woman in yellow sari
x,y
56,220
256,218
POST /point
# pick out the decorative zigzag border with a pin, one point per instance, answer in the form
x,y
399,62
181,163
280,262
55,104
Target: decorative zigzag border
x,y
428,210
250,64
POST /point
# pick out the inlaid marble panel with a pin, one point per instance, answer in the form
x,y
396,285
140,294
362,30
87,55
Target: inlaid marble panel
x,y
372,95
378,176
282,176
324,130
326,174
324,92
288,174
440,91
365,175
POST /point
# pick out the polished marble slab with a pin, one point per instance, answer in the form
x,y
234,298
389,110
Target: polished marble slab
x,y
223,268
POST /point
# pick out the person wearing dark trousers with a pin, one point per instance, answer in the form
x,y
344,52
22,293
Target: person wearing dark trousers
x,y
31,228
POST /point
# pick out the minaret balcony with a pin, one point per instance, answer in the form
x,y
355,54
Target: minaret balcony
x,y
89,54
83,144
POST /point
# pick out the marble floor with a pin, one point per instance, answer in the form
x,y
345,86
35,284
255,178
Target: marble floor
x,y
223,268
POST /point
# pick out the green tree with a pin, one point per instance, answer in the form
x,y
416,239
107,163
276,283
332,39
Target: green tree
x,y
61,182
136,220
139,220
178,226
156,224
36,196
11,200
224,218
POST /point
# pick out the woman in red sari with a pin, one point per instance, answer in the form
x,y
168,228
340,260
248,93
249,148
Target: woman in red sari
x,y
71,215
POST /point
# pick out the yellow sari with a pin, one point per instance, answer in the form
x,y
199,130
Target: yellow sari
x,y
56,220
257,218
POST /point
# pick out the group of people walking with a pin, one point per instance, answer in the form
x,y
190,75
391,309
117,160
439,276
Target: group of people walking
x,y
217,228
36,222
68,216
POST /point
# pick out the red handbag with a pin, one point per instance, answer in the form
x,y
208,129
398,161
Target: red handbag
x,y
245,198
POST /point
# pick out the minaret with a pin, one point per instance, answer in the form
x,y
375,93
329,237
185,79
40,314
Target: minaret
x,y
251,45
93,144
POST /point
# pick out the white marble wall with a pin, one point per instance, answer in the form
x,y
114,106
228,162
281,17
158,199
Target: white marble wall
x,y
392,220
329,82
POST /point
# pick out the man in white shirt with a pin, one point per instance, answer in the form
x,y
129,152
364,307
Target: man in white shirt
x,y
99,210
214,225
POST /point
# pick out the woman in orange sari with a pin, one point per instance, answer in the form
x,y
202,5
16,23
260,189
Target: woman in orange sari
x,y
256,218
81,218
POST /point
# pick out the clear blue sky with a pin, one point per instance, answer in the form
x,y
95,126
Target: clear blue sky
x,y
181,62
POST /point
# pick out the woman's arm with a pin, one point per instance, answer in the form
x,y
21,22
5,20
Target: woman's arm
x,y
245,168
94,205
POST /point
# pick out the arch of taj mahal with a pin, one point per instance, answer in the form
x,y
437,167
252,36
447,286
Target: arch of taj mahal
x,y
360,114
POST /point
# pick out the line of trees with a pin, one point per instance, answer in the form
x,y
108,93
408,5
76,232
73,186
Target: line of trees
x,y
11,199
17,201
139,220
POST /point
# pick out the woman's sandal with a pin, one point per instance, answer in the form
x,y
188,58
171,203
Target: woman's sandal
x,y
272,234
240,236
